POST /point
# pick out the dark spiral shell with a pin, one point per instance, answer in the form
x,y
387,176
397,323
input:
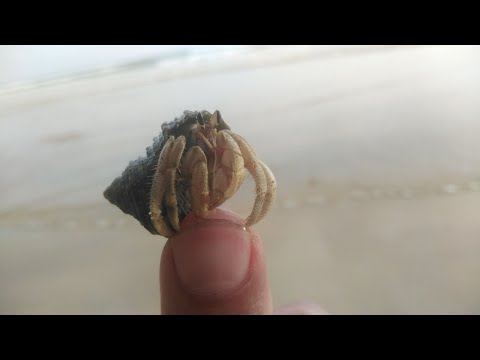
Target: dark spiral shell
x,y
131,191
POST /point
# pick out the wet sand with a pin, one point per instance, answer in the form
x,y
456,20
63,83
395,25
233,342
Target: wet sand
x,y
376,154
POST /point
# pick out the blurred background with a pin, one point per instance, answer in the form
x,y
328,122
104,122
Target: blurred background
x,y
375,148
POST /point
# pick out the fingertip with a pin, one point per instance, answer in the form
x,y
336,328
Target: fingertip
x,y
214,266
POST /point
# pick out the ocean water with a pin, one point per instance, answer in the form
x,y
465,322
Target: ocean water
x,y
20,64
27,66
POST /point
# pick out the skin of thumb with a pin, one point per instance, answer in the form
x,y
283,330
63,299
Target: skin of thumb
x,y
214,266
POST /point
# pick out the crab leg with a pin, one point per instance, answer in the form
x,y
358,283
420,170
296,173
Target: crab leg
x,y
170,178
271,191
228,170
164,184
157,190
258,175
195,169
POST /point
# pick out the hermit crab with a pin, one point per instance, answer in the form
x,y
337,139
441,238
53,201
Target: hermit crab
x,y
194,165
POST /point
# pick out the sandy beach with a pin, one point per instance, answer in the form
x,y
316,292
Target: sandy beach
x,y
375,150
